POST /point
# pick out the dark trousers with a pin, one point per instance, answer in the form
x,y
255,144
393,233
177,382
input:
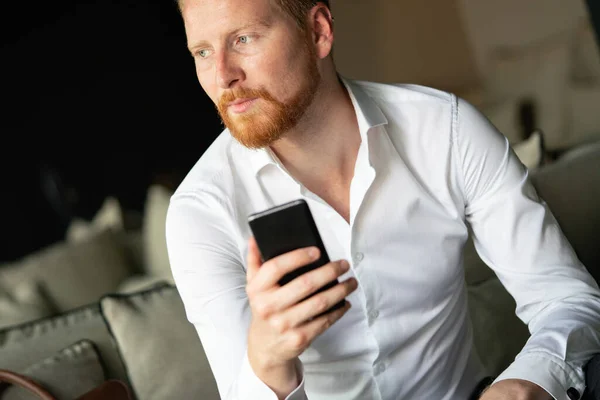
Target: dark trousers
x,y
592,378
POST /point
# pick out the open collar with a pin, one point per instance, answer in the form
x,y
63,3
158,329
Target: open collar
x,y
368,114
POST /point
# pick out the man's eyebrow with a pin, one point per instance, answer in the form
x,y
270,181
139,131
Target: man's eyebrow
x,y
262,23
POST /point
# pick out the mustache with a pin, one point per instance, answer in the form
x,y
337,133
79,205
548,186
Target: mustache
x,y
244,93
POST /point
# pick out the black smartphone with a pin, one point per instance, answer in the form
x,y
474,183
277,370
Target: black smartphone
x,y
288,227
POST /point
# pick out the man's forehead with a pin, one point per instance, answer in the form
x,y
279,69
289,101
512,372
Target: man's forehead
x,y
216,17
232,9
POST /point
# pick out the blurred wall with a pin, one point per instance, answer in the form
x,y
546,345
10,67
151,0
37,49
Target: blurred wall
x,y
493,23
409,41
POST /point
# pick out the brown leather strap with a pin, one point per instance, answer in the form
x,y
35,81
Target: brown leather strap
x,y
109,390
25,383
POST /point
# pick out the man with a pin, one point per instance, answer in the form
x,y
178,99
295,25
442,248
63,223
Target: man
x,y
393,176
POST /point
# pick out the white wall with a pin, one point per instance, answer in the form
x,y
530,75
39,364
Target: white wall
x,y
442,43
408,41
492,23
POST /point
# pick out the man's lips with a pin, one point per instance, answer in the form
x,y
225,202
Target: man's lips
x,y
240,105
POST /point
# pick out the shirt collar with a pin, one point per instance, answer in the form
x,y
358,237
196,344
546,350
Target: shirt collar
x,y
368,114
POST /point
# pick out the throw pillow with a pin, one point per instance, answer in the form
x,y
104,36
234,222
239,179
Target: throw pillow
x,y
160,347
24,345
138,283
25,302
109,216
531,151
69,374
539,72
156,258
73,274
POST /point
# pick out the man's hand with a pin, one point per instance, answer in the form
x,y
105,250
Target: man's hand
x,y
515,389
283,324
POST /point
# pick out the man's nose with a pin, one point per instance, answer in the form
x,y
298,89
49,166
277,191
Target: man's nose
x,y
228,71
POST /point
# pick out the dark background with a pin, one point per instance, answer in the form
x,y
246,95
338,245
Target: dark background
x,y
594,10
98,98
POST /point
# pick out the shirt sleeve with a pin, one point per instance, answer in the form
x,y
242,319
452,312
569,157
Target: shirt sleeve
x,y
210,276
516,234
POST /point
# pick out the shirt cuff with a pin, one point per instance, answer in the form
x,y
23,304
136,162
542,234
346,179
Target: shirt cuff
x,y
553,375
298,393
251,387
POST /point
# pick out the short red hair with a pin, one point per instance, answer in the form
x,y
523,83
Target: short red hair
x,y
299,9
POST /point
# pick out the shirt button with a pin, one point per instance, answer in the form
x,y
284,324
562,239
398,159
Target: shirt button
x,y
573,394
379,368
373,316
358,257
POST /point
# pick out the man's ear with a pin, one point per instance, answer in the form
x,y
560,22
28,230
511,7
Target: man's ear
x,y
321,25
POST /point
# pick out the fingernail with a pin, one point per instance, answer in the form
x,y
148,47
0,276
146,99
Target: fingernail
x,y
345,265
313,252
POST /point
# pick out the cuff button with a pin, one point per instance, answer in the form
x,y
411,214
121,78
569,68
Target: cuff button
x,y
573,394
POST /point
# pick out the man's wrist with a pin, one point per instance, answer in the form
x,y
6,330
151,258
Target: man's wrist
x,y
282,378
515,389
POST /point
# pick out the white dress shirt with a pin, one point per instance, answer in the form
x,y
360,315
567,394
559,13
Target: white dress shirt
x,y
428,166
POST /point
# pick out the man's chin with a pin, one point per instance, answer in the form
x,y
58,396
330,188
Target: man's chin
x,y
253,143
252,137
257,127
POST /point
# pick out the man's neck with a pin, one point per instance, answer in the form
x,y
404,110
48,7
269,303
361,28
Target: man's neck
x,y
321,151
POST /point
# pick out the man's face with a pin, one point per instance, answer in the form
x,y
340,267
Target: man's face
x,y
254,63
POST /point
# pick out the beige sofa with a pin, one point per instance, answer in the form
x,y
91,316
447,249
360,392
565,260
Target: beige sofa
x,y
101,305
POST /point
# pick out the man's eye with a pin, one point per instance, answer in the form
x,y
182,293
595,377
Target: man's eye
x,y
202,53
244,39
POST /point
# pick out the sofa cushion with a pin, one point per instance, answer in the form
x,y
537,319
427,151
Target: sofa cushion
x,y
160,347
73,274
22,303
68,374
24,345
499,335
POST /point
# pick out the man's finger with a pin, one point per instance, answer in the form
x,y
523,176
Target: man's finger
x,y
317,304
305,286
303,336
275,269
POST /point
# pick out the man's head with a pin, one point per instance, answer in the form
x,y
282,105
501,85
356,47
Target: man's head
x,y
260,61
297,9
